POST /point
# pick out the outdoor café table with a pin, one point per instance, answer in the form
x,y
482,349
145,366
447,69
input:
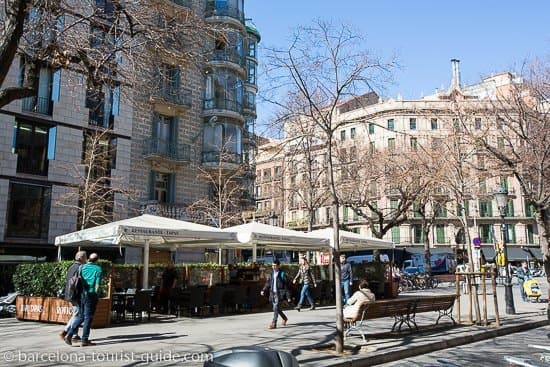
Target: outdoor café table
x,y
120,303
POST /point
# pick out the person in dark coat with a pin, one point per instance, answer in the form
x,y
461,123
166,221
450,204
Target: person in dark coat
x,y
79,259
278,291
169,280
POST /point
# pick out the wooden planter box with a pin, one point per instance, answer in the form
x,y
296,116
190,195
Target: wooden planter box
x,y
57,310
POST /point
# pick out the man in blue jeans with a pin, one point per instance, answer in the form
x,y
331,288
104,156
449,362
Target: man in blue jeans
x,y
346,276
80,259
91,277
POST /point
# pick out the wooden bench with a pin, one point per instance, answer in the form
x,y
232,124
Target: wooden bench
x,y
402,309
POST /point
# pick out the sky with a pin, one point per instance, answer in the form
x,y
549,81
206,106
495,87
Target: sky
x,y
487,36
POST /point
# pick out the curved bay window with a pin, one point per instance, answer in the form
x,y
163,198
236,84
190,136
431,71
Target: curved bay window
x,y
222,143
224,91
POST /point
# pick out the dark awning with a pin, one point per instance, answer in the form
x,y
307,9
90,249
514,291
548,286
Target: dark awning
x,y
515,253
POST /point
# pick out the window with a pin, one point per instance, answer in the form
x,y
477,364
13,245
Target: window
x,y
485,209
500,142
456,124
486,233
477,123
224,90
352,132
372,189
47,88
343,135
530,233
28,211
510,233
433,123
222,143
500,122
440,233
412,123
251,75
529,210
510,208
371,128
164,132
466,208
99,154
394,204
416,210
414,144
372,147
440,211
252,47
391,125
345,214
162,187
418,235
169,80
103,105
395,235
35,146
391,144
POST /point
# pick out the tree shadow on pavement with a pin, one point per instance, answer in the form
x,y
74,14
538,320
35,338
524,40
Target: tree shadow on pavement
x,y
135,338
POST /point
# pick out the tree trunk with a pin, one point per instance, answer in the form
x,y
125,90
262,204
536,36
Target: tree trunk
x,y
427,254
543,222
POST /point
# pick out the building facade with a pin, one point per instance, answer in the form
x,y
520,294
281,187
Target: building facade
x,y
399,127
158,136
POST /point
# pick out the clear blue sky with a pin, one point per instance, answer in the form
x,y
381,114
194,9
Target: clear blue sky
x,y
487,36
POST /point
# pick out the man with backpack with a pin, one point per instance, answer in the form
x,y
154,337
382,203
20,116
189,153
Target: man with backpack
x,y
278,292
91,280
71,295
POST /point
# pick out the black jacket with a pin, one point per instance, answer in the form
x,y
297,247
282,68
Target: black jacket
x,y
282,289
70,272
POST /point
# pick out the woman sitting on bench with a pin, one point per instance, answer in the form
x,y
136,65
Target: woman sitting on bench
x,y
364,294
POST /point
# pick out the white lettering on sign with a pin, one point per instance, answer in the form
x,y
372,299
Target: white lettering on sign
x,y
31,308
64,310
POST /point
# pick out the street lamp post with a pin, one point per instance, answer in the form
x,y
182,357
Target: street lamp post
x,y
501,197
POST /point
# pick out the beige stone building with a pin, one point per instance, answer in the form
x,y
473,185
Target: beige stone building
x,y
399,126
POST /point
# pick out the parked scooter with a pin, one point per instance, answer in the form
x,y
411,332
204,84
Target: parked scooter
x,y
7,304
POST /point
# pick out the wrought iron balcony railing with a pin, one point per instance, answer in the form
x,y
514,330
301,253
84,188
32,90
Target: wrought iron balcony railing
x,y
166,149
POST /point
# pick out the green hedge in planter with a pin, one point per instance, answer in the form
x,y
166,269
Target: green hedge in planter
x,y
47,279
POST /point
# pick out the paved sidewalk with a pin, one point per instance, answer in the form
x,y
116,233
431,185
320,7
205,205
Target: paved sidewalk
x,y
170,341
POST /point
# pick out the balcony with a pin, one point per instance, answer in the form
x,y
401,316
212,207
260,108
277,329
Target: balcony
x,y
182,3
224,11
222,104
215,158
156,148
98,118
38,105
230,56
173,211
179,98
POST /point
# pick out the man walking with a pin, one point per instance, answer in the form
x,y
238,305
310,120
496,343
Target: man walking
x,y
278,291
80,259
523,273
346,276
91,276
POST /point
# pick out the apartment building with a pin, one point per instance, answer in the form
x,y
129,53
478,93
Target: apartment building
x,y
158,136
400,126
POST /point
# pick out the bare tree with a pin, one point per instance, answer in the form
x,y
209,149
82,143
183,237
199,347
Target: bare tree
x,y
324,65
226,196
109,42
369,175
93,197
306,177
